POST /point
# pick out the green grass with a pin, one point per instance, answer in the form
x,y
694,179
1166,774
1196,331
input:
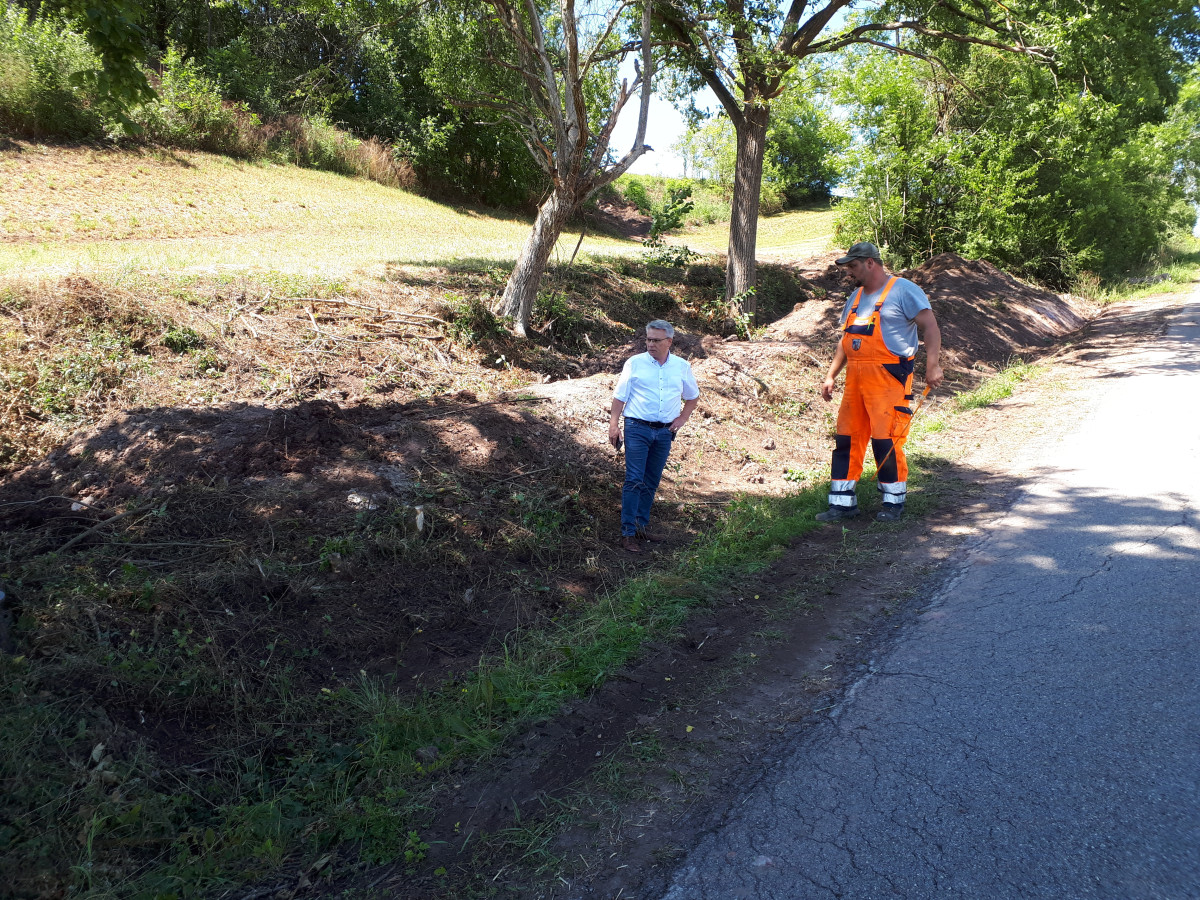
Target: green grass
x,y
198,214
796,234
995,388
1177,270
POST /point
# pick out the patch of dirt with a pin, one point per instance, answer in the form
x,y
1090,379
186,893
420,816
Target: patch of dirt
x,y
618,218
404,504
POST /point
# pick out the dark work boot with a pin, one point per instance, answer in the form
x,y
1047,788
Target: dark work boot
x,y
890,512
837,513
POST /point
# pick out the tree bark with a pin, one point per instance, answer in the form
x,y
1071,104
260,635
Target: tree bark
x,y
521,290
740,271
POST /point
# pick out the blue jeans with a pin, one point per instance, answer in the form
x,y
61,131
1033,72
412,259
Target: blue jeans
x,y
646,451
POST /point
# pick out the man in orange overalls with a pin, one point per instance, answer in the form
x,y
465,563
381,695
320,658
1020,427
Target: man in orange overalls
x,y
880,326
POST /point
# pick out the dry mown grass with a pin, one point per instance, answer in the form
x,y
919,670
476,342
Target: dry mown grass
x,y
67,210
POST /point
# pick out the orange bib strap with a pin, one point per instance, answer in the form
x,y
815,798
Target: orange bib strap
x,y
856,324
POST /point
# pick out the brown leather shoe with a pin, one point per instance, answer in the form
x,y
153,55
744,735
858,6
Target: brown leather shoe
x,y
652,536
629,544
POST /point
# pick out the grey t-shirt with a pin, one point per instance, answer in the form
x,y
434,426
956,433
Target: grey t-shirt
x,y
896,315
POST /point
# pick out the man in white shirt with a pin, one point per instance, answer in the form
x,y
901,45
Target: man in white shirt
x,y
656,393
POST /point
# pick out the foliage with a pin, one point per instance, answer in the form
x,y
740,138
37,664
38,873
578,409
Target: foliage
x,y
40,97
802,156
650,194
1007,163
804,141
634,189
334,86
471,322
659,254
190,113
112,29
672,214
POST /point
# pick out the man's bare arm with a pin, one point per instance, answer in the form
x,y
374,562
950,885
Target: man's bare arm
x,y
614,422
931,335
839,363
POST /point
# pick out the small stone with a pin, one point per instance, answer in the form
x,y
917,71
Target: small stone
x,y
361,501
427,754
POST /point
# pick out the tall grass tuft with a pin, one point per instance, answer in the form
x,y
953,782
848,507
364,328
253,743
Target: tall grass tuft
x,y
998,387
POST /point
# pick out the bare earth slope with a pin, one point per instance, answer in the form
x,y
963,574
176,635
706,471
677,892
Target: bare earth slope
x,y
265,511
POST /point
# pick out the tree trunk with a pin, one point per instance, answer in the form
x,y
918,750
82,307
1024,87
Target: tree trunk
x,y
740,273
522,287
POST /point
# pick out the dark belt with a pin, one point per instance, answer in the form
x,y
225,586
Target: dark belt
x,y
651,424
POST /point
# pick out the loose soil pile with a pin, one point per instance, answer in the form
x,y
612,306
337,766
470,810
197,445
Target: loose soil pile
x,y
386,486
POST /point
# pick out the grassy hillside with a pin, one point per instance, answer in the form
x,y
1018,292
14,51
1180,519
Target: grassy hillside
x,y
73,210
793,235
85,210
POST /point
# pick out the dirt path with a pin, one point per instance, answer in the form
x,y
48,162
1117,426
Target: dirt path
x,y
680,736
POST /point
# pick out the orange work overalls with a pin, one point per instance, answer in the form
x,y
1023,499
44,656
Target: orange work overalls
x,y
875,405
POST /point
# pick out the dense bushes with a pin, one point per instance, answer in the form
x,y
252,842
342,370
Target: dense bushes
x,y
1009,162
663,199
38,98
204,104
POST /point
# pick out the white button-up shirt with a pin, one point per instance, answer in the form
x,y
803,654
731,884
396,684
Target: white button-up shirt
x,y
653,392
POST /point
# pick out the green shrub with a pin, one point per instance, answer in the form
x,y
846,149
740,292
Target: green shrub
x,y
181,340
470,320
635,193
37,96
190,113
673,212
675,255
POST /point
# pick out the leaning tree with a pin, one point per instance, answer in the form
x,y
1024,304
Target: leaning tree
x,y
744,49
552,70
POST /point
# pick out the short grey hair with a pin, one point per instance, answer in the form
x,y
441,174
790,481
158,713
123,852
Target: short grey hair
x,y
665,327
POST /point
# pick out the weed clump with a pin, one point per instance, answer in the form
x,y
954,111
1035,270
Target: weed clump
x,y
471,321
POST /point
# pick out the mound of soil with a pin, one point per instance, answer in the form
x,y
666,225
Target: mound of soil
x,y
986,316
620,219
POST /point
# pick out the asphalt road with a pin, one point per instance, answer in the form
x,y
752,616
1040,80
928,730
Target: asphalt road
x,y
1035,731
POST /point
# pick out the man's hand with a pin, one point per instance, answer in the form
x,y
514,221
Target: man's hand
x,y
934,376
835,367
614,435
684,414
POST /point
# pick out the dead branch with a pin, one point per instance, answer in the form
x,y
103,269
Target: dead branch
x,y
79,537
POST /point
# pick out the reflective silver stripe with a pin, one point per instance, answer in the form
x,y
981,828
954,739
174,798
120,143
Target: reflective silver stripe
x,y
843,500
842,485
895,492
